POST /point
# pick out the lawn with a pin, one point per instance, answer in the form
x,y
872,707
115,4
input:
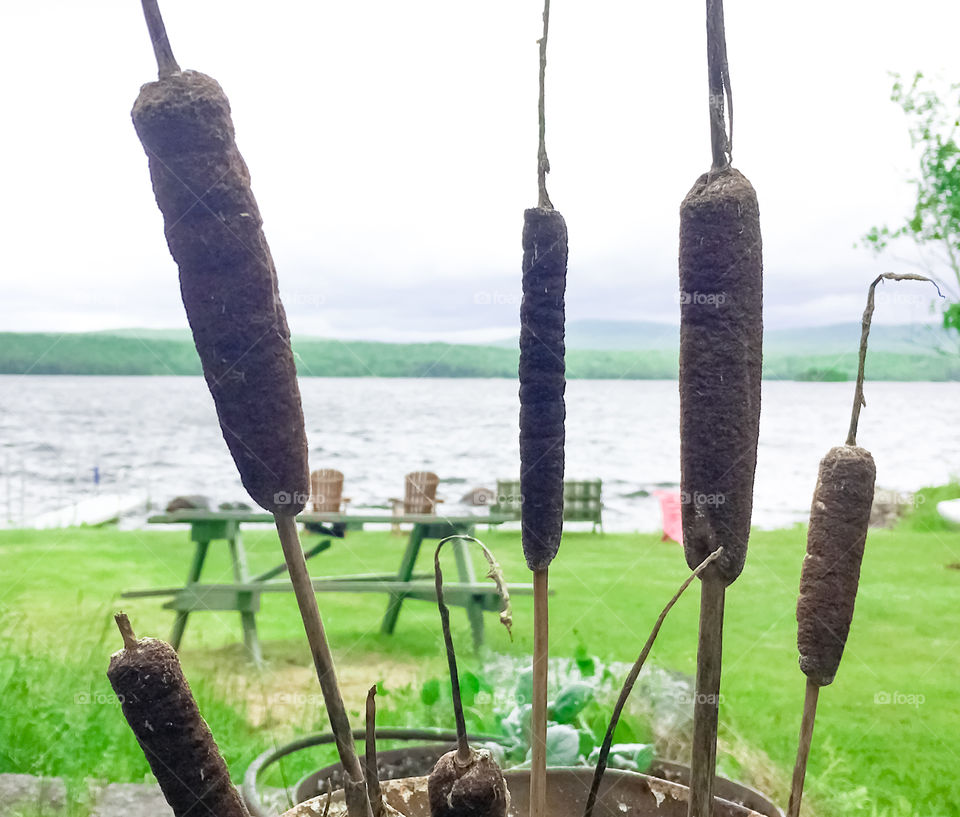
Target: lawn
x,y
887,740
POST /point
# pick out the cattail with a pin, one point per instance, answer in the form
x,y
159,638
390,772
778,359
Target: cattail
x,y
839,518
229,288
228,281
160,708
542,383
542,416
721,340
830,575
721,335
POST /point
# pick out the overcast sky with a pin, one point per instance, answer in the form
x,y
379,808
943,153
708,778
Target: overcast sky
x,y
392,147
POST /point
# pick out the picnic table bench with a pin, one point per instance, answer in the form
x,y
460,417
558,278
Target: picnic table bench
x,y
243,594
582,501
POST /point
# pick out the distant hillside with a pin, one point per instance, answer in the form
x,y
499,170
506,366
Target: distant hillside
x,y
147,334
135,353
631,336
909,339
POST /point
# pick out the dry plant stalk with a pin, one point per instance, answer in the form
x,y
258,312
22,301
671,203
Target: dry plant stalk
x,y
721,336
229,287
542,415
836,537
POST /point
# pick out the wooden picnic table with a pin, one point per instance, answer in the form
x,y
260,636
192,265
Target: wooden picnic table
x,y
243,594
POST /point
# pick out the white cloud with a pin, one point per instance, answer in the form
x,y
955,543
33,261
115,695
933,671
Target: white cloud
x,y
392,148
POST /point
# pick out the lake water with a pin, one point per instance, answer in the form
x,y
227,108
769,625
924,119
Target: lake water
x,y
159,437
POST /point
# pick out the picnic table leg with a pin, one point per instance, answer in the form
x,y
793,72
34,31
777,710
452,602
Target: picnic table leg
x,y
474,605
405,574
180,623
248,620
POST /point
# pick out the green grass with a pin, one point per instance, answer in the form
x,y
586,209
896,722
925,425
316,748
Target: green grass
x,y
58,590
923,516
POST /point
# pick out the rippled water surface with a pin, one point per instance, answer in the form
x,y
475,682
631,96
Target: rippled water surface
x,y
158,436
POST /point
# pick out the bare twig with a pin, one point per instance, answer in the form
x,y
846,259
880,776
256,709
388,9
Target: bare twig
x,y
858,399
126,630
718,74
632,679
326,805
543,163
166,62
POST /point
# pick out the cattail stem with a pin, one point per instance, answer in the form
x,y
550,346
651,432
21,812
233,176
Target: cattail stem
x,y
464,753
543,163
858,399
632,679
126,630
718,74
355,792
707,702
803,747
463,746
326,805
166,62
374,793
538,714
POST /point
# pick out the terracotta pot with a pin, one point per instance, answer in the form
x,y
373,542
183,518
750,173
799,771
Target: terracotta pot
x,y
622,794
419,760
727,789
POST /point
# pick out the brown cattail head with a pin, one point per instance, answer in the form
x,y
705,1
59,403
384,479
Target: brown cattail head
x,y
228,283
159,706
721,334
472,789
839,518
542,384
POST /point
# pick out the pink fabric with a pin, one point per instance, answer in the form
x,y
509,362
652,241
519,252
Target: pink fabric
x,y
670,511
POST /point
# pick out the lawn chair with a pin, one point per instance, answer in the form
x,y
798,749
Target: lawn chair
x,y
326,496
326,491
419,496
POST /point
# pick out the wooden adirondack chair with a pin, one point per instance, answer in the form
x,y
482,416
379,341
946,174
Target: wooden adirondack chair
x,y
326,491
419,495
